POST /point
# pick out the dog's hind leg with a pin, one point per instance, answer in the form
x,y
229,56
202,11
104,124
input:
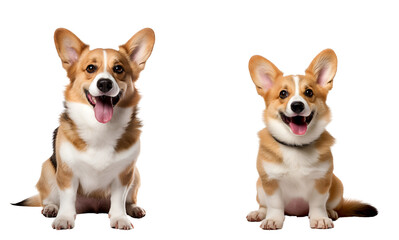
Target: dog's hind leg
x,y
47,188
131,202
260,214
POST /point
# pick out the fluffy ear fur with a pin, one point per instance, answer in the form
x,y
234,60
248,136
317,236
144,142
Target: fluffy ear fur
x,y
323,68
263,73
69,47
139,47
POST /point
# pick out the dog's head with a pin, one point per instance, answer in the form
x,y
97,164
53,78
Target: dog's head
x,y
296,111
103,78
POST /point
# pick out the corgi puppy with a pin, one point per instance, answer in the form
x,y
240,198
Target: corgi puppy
x,y
97,143
295,163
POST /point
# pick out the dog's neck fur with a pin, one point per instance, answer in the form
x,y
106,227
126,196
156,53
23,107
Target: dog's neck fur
x,y
78,119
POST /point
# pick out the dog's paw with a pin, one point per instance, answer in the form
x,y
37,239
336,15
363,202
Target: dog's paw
x,y
121,222
321,223
272,224
256,216
332,214
50,211
135,211
64,222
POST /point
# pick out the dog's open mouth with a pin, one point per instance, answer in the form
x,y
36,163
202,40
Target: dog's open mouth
x,y
103,106
298,124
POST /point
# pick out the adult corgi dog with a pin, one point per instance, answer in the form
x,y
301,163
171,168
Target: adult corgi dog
x,y
96,145
295,163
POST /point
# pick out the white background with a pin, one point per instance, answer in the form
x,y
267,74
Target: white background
x,y
200,109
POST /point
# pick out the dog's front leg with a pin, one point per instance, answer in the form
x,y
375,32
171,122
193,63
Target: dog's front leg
x,y
117,211
67,213
275,211
317,211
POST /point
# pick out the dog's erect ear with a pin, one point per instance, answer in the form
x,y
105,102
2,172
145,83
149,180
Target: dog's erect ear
x,y
323,68
263,73
139,47
69,47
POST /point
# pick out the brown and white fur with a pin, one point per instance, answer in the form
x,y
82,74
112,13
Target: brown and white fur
x,y
295,163
97,142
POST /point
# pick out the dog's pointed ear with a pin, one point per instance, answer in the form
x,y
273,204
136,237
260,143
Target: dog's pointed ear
x,y
139,47
263,73
69,47
323,68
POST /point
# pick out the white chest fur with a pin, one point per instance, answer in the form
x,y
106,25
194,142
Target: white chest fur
x,y
297,172
99,164
97,168
94,133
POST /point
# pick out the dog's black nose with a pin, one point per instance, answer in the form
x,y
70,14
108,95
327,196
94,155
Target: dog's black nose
x,y
297,107
104,85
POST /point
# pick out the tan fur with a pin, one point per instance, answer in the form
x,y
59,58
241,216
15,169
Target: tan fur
x,y
69,131
43,185
269,152
132,132
33,201
76,44
126,177
269,82
63,174
336,191
135,187
354,208
323,145
80,79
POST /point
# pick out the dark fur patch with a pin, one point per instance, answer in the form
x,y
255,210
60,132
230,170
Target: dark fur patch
x,y
65,117
366,210
293,145
53,158
353,208
21,203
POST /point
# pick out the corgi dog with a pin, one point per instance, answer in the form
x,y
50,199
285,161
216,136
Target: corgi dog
x,y
294,162
97,143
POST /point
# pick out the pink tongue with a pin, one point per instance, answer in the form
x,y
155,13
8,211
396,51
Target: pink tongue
x,y
298,129
103,110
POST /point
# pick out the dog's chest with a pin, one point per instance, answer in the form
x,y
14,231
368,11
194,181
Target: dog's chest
x,y
99,163
297,172
96,168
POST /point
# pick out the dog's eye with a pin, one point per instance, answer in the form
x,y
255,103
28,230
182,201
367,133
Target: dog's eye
x,y
283,94
309,93
118,69
91,68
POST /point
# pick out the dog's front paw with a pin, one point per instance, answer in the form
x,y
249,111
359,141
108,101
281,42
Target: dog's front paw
x,y
256,216
121,222
135,211
321,223
272,224
64,222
